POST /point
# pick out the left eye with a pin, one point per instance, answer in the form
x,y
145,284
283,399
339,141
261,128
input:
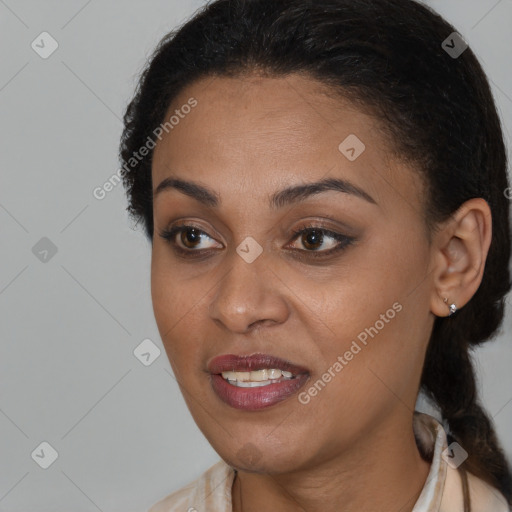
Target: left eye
x,y
316,239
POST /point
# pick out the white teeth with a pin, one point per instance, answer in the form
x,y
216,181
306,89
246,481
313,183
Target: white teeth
x,y
242,376
229,375
274,374
251,384
257,378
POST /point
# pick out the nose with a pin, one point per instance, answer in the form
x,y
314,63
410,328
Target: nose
x,y
249,296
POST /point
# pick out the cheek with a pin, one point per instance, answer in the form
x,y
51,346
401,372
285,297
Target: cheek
x,y
174,291
378,329
176,304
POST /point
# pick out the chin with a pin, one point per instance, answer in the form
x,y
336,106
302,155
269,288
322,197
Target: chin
x,y
263,458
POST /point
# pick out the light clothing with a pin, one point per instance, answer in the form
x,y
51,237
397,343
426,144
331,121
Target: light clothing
x,y
442,491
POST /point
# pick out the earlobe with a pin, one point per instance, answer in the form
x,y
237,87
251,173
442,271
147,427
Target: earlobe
x,y
443,306
461,253
452,306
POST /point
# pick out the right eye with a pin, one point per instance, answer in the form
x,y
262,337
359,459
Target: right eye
x,y
189,239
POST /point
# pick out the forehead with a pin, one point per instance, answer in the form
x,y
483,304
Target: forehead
x,y
261,133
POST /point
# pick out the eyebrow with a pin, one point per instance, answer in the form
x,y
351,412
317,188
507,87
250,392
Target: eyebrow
x,y
289,195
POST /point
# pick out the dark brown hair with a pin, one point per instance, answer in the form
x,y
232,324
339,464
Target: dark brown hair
x,y
438,110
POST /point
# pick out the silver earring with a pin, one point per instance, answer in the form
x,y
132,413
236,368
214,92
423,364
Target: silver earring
x,y
453,307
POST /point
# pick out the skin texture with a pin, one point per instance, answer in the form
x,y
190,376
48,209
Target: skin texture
x,y
352,444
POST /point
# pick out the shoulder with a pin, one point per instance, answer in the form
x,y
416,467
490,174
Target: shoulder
x,y
211,491
178,500
483,497
443,490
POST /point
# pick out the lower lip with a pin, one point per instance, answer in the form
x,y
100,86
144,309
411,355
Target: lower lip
x,y
252,399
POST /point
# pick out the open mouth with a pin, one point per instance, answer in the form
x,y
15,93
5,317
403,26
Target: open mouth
x,y
255,381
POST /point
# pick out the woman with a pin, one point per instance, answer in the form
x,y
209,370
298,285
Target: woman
x,y
324,187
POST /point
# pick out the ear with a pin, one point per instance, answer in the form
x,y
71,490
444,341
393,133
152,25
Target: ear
x,y
460,250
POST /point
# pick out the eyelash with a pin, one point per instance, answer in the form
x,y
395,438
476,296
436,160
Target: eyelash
x,y
343,240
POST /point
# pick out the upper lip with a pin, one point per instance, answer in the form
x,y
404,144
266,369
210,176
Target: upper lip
x,y
253,362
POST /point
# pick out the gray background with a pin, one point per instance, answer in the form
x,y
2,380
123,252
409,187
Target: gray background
x,y
69,325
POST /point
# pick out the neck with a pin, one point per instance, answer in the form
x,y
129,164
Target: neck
x,y
383,471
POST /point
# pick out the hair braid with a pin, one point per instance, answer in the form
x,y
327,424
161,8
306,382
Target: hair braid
x,y
448,377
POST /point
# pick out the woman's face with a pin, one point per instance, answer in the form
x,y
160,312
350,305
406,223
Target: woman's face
x,y
344,307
